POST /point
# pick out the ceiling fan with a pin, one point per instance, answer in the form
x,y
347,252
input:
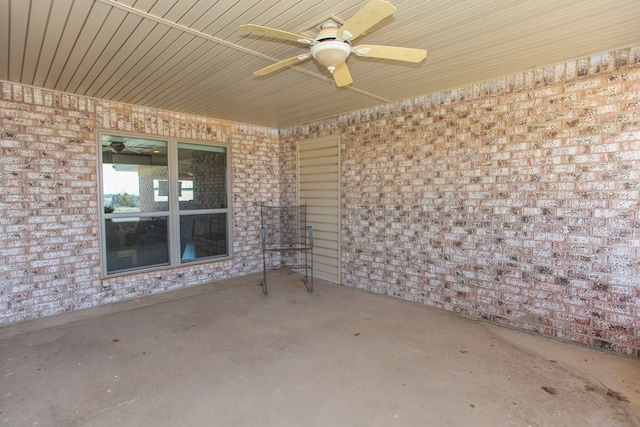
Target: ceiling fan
x,y
117,147
332,45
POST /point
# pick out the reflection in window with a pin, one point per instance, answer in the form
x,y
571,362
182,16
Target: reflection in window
x,y
130,168
203,215
135,242
203,236
142,189
205,167
161,190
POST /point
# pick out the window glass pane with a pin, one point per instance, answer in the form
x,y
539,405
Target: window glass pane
x,y
136,242
203,236
134,174
202,175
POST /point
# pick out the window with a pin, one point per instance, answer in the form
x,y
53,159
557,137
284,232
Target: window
x,y
203,213
165,202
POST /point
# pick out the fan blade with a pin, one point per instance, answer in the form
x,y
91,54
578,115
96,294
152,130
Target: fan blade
x,y
342,76
282,64
406,54
277,33
370,14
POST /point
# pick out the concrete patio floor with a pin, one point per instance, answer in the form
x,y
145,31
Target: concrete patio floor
x,y
224,354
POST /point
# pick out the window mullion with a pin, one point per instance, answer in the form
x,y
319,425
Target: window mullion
x,y
174,214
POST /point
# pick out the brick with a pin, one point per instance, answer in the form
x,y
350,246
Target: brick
x,y
512,198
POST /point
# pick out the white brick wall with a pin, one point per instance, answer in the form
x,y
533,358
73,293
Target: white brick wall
x,y
49,199
515,200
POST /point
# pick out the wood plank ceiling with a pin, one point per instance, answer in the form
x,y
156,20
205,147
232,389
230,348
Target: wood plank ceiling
x,y
190,56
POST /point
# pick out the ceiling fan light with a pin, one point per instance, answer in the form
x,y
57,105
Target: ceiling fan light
x,y
331,53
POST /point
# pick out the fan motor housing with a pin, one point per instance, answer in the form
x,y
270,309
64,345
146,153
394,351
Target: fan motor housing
x,y
329,50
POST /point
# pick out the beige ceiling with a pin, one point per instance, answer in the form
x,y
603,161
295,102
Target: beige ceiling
x,y
190,56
